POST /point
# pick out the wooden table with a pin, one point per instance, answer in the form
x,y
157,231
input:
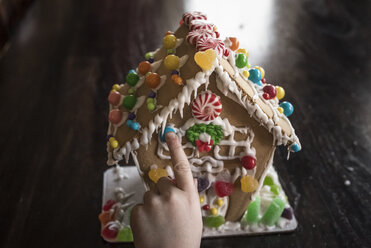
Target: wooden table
x,y
65,56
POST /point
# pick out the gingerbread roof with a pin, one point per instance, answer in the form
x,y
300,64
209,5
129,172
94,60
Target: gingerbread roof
x,y
176,72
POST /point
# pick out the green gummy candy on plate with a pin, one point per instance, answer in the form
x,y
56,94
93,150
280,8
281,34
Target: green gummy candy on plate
x,y
268,181
252,215
214,221
125,235
274,211
275,189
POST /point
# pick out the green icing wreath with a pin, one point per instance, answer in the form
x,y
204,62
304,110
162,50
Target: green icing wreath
x,y
215,131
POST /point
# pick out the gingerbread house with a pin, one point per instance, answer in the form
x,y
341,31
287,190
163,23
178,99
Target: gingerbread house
x,y
229,118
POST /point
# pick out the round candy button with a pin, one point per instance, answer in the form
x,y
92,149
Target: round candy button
x,y
115,116
288,109
153,80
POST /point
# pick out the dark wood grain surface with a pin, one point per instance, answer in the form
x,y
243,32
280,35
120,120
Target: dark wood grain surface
x,y
64,57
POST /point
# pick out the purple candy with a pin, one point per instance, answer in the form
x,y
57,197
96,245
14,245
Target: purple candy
x,y
150,60
287,213
175,72
131,116
109,136
203,183
152,94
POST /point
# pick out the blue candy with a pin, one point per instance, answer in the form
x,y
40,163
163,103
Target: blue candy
x,y
295,147
133,125
167,129
255,76
288,109
132,71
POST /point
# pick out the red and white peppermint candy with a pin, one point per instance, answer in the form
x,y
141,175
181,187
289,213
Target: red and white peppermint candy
x,y
206,43
197,24
206,106
194,35
190,16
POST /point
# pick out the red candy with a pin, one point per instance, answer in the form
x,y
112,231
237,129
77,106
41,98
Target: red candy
x,y
206,106
110,231
204,44
223,188
194,35
248,162
114,98
206,207
190,16
115,116
264,81
195,25
270,90
108,205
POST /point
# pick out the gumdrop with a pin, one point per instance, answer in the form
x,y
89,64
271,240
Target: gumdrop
x,y
252,215
249,184
110,231
203,183
274,211
223,188
287,213
104,218
275,189
206,59
125,235
214,221
156,174
268,181
108,205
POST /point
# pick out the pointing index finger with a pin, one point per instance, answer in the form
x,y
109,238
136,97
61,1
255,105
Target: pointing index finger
x,y
182,170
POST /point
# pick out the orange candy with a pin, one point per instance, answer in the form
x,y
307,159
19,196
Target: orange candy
x,y
153,80
105,217
176,79
235,43
168,32
156,174
144,67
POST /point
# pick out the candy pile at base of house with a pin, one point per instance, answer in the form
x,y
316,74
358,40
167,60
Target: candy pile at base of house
x,y
268,212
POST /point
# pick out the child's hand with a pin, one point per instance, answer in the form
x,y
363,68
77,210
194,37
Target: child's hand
x,y
170,215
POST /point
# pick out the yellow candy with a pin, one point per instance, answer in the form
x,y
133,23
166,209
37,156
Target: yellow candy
x,y
243,50
156,174
113,142
202,199
220,202
116,87
169,41
280,92
261,70
171,62
249,184
214,211
206,59
280,110
246,74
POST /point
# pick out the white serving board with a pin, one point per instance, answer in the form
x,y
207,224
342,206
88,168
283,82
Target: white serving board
x,y
128,178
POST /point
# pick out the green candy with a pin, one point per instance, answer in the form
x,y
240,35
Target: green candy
x,y
241,60
252,215
273,212
129,102
268,181
132,79
275,189
149,55
214,221
125,235
171,51
151,106
131,90
150,100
